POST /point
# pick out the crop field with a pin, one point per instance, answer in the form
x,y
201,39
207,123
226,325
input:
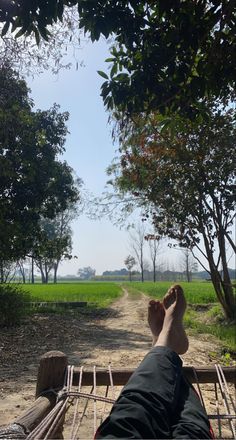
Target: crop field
x,y
196,292
100,293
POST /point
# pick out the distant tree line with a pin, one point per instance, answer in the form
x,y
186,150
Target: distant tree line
x,y
164,275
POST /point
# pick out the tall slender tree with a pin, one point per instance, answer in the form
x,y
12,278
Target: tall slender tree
x,y
137,244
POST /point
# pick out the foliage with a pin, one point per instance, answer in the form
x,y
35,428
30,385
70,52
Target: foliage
x,y
130,262
13,305
224,332
166,55
102,294
31,56
33,182
7,271
86,273
186,184
54,242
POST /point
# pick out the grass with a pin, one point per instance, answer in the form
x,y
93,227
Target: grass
x,y
195,292
204,323
102,294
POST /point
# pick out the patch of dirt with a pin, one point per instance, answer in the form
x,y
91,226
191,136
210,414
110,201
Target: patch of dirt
x,y
119,335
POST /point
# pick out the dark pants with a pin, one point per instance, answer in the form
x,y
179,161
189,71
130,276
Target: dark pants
x,y
157,403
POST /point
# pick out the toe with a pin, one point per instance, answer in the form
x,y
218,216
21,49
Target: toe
x,y
157,305
169,298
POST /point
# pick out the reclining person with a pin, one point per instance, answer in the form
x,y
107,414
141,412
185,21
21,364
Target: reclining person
x,y
158,402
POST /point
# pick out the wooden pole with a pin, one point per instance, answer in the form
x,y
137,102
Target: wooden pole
x,y
121,377
51,375
51,372
30,418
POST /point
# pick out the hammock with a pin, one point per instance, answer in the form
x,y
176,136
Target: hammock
x,y
73,401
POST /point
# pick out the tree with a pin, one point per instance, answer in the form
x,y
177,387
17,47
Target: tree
x,y
166,55
33,182
188,264
7,271
154,247
54,243
130,262
31,56
186,183
137,243
86,273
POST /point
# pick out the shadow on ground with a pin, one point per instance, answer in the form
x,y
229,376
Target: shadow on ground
x,y
77,334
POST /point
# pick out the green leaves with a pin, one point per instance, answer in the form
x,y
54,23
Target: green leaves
x,y
174,53
5,28
102,74
33,181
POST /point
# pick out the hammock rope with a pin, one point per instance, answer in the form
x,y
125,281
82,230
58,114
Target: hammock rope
x,y
70,396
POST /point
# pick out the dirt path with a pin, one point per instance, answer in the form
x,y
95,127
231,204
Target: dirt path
x,y
119,335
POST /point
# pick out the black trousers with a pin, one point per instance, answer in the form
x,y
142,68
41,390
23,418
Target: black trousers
x,y
157,403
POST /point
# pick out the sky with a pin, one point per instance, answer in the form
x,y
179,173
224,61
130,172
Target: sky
x,y
89,151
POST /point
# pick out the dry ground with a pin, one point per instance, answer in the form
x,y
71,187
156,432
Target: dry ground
x,y
119,335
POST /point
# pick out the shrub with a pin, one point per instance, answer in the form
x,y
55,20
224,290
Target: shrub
x,y
14,304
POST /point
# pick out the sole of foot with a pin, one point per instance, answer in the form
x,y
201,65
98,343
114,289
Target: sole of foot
x,y
173,334
156,314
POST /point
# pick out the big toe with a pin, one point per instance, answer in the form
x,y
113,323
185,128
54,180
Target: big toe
x,y
169,298
180,298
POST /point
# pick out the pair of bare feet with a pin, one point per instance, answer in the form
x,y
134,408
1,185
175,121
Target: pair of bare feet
x,y
165,320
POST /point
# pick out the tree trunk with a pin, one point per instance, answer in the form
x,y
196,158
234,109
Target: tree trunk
x,y
55,272
223,289
32,270
142,274
1,272
42,273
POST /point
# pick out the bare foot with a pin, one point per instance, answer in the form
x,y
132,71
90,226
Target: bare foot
x,y
156,314
173,334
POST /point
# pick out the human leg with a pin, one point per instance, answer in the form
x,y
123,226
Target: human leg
x,y
190,420
148,402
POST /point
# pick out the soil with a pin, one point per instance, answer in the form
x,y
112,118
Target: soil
x,y
118,334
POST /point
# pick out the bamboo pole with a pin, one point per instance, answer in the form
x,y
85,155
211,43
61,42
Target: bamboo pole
x,y
120,377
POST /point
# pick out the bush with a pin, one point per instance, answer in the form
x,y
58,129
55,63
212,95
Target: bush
x,y
14,304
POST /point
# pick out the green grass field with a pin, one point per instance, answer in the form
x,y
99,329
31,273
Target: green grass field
x,y
196,292
100,293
